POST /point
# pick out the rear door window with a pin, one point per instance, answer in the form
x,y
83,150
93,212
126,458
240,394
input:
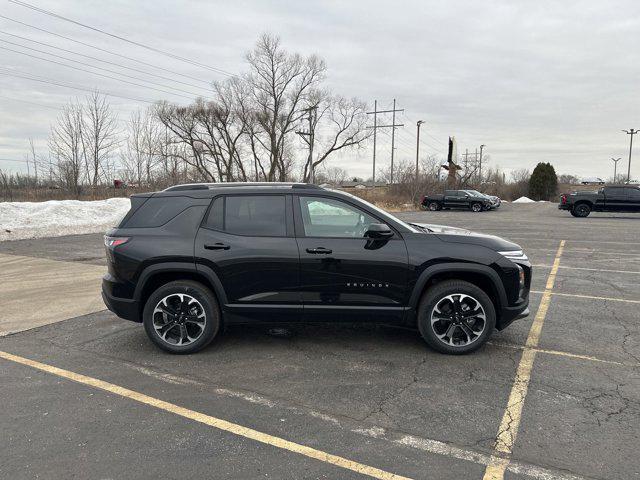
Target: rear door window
x,y
250,215
157,211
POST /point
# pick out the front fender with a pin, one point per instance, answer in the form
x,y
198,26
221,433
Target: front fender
x,y
484,270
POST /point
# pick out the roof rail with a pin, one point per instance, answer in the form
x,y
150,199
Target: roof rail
x,y
208,186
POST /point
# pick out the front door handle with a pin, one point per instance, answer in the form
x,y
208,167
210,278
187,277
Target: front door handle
x,y
319,250
216,246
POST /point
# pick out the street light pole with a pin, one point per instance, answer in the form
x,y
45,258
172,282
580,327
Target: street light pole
x,y
631,132
615,169
420,122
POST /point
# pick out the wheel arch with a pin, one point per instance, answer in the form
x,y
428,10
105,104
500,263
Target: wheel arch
x,y
480,275
154,276
584,202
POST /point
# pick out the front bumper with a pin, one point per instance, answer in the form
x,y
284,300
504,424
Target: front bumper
x,y
126,308
509,314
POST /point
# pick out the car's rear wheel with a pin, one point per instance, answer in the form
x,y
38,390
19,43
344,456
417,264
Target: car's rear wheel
x,y
434,206
456,317
182,316
581,210
476,207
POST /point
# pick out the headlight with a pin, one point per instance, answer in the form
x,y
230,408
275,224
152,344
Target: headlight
x,y
521,280
515,255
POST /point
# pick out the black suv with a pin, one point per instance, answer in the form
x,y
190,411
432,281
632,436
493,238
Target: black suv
x,y
189,259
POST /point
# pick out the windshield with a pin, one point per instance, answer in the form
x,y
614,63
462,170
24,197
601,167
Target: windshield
x,y
475,192
381,212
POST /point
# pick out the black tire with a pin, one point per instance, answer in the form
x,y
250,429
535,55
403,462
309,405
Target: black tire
x,y
581,210
205,303
437,294
434,206
475,207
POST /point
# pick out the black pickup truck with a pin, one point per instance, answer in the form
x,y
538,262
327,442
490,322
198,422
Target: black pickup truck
x,y
457,199
614,198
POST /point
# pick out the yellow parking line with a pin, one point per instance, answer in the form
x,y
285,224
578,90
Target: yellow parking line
x,y
208,420
508,430
613,299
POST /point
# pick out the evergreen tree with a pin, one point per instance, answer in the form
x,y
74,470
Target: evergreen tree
x,y
543,184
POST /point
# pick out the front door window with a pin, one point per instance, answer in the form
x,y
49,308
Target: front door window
x,y
324,217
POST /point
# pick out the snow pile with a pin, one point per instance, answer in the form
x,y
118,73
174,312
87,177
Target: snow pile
x,y
59,217
524,200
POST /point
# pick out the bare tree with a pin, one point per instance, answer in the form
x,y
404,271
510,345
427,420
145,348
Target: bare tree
x,y
335,175
34,159
280,85
65,143
99,135
212,131
143,148
344,121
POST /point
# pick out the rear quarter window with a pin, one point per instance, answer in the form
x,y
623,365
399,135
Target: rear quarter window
x,y
157,211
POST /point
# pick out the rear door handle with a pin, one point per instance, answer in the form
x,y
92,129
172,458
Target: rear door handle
x,y
319,250
216,246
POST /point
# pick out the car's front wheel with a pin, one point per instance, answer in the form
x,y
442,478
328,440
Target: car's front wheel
x,y
182,316
456,317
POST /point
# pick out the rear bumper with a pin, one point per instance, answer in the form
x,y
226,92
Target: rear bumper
x,y
564,206
126,308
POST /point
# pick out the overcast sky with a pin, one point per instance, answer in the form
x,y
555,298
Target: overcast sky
x,y
533,81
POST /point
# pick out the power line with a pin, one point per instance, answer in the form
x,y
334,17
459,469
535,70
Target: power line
x,y
96,73
73,87
87,65
122,122
93,58
32,103
133,42
103,50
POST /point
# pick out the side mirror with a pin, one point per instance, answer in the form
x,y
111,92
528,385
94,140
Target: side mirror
x,y
378,230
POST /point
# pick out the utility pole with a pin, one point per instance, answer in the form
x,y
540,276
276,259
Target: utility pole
x,y
615,169
420,122
376,127
475,164
481,148
631,132
309,137
466,161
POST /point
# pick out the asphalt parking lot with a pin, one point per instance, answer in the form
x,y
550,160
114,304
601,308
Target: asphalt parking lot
x,y
556,395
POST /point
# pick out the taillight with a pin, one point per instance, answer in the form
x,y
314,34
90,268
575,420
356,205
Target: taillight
x,y
424,199
563,198
112,242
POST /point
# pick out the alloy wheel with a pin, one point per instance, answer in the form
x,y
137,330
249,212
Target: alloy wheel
x,y
179,319
476,207
458,320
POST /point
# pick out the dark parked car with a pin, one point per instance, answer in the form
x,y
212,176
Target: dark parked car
x,y
613,198
475,202
192,258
